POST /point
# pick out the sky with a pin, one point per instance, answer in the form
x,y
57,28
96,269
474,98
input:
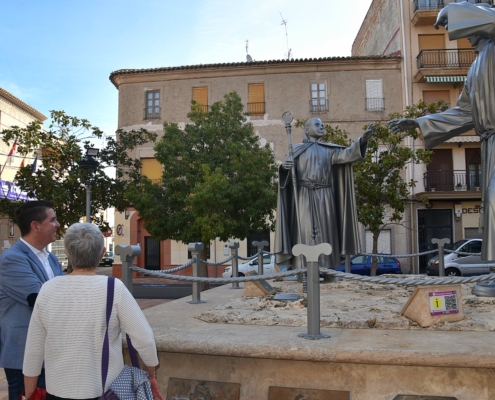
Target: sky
x,y
58,54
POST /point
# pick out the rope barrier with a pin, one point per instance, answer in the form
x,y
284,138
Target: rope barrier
x,y
369,279
177,269
362,254
219,262
218,280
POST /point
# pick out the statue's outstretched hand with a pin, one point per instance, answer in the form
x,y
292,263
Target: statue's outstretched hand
x,y
442,18
370,130
404,124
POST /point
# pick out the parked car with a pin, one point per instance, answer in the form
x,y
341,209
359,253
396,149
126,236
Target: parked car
x,y
460,264
361,265
465,266
107,260
268,266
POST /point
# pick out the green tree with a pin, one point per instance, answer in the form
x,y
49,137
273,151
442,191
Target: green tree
x,y
58,177
382,193
217,181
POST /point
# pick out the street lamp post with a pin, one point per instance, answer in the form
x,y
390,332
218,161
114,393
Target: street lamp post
x,y
90,164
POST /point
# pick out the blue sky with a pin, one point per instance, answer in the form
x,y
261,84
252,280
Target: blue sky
x,y
58,54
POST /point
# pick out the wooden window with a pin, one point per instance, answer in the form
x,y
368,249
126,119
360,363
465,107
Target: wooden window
x,y
374,95
473,168
151,168
256,98
431,42
432,96
200,95
152,108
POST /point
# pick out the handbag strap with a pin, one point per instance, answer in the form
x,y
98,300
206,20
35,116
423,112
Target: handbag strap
x,y
106,346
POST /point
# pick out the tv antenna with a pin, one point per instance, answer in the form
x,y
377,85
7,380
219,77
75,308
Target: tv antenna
x,y
284,22
248,57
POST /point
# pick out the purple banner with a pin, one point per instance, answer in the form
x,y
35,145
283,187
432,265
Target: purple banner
x,y
11,191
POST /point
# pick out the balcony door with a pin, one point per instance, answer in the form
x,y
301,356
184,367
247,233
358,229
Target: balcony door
x,y
473,166
440,171
432,50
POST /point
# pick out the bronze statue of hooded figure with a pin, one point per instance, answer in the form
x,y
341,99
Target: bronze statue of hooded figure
x,y
325,197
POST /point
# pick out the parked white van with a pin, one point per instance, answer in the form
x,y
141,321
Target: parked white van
x,y
268,266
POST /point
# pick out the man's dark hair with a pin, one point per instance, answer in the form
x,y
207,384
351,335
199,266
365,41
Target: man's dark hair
x,y
29,212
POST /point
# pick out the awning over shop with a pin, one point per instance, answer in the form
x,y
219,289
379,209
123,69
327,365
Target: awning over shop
x,y
443,79
464,139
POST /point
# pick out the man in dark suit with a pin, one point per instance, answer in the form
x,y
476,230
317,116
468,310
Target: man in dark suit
x,y
23,269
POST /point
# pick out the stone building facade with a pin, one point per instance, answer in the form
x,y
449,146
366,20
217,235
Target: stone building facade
x,y
348,92
13,112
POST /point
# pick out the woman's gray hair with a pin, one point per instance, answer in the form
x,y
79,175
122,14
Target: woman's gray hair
x,y
84,244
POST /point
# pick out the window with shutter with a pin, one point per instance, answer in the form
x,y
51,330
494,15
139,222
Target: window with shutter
x,y
432,96
200,95
374,95
256,98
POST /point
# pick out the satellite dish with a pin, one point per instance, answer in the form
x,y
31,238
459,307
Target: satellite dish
x,y
249,58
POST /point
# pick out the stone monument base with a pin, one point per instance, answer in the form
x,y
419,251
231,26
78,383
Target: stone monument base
x,y
251,362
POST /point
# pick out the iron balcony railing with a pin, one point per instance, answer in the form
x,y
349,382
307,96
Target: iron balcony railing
x,y
152,112
375,103
256,108
318,105
441,58
202,107
439,4
451,180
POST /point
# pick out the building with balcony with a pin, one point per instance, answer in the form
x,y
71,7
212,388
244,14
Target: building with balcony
x,y
433,67
348,92
13,112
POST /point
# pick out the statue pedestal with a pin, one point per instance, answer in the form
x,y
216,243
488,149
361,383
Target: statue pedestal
x,y
368,364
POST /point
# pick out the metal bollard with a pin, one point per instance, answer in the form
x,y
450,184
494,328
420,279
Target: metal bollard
x,y
235,264
312,253
127,254
195,248
260,246
441,259
347,263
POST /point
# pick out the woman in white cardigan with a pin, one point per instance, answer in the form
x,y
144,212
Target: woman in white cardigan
x,y
68,326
